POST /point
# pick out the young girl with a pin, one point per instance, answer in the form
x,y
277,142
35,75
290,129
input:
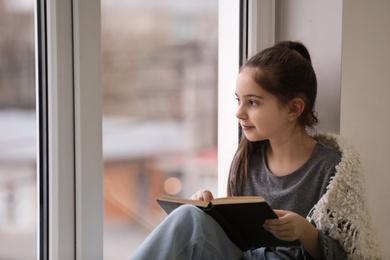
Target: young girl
x,y
314,183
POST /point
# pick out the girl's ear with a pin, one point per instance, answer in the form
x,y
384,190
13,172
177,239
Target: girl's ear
x,y
296,107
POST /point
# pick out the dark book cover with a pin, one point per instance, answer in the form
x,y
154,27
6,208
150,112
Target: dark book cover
x,y
242,222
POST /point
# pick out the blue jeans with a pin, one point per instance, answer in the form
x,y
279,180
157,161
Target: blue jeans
x,y
189,233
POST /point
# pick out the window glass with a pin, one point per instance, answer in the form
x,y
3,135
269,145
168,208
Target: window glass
x,y
18,206
159,111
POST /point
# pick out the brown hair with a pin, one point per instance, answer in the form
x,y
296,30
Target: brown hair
x,y
284,70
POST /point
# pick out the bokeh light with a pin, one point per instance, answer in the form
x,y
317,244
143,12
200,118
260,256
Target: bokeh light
x,y
172,186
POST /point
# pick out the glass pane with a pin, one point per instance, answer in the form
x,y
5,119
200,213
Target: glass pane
x,y
160,111
18,206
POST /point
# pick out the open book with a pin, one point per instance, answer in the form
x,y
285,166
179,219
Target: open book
x,y
242,219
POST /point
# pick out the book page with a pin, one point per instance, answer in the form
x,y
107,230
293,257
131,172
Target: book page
x,y
199,203
238,199
217,201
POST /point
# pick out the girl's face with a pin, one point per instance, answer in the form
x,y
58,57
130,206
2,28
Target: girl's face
x,y
259,112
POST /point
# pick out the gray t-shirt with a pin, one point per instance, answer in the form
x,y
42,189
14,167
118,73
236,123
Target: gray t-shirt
x,y
298,191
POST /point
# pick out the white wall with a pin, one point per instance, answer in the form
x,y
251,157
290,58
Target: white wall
x,y
317,24
365,93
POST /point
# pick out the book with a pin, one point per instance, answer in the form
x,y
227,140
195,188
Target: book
x,y
241,218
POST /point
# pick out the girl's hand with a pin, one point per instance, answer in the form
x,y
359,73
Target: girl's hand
x,y
204,195
289,226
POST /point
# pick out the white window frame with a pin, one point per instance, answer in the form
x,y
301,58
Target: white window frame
x,y
74,129
228,65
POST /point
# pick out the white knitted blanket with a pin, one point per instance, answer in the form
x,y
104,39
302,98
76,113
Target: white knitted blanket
x,y
342,212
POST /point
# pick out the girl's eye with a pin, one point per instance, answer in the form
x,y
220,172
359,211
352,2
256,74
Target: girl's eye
x,y
253,102
238,101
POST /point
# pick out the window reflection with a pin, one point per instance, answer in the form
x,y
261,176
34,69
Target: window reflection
x,y
159,112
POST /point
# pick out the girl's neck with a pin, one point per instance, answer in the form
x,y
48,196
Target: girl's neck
x,y
287,155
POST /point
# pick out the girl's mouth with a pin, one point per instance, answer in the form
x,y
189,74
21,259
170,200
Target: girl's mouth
x,y
246,128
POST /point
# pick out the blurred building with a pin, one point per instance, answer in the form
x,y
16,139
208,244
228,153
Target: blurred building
x,y
159,81
17,52
18,142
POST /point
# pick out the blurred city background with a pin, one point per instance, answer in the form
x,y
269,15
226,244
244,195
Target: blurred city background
x,y
18,141
159,116
160,111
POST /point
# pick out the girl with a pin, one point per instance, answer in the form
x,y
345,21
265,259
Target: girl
x,y
314,183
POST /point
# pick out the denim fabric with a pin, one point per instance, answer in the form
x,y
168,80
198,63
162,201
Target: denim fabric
x,y
188,233
262,254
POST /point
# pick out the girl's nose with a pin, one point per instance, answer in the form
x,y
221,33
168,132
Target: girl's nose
x,y
241,114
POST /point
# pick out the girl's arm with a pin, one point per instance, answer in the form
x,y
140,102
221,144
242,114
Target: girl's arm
x,y
291,226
